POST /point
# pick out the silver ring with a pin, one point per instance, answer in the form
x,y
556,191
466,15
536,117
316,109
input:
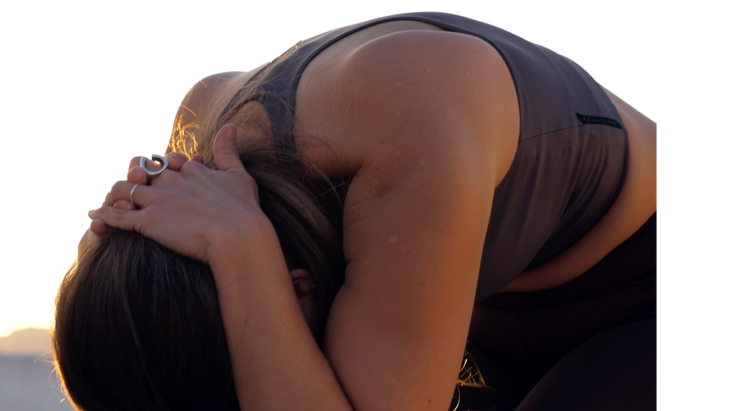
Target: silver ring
x,y
131,195
156,158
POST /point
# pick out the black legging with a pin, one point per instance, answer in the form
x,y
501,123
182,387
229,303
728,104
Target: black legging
x,y
589,344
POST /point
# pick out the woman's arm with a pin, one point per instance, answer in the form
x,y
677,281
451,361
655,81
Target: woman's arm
x,y
276,361
428,124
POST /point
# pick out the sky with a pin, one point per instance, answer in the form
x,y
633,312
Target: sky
x,y
89,85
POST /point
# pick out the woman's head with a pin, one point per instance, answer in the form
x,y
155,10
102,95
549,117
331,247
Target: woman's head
x,y
138,326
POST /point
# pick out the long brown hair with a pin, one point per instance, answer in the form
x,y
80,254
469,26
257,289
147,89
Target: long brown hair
x,y
138,326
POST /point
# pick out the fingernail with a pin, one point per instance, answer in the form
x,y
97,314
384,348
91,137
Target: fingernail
x,y
92,214
231,131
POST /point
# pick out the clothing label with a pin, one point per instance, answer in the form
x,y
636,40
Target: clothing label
x,y
599,120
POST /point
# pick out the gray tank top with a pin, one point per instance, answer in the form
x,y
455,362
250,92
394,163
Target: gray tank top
x,y
571,158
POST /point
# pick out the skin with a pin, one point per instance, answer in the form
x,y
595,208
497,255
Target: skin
x,y
426,123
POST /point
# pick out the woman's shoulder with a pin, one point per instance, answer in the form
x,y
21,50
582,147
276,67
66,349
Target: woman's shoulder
x,y
409,88
209,89
204,97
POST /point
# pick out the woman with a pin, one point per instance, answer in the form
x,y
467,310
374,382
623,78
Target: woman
x,y
478,168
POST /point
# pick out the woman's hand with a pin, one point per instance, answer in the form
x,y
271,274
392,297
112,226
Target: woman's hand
x,y
136,174
189,208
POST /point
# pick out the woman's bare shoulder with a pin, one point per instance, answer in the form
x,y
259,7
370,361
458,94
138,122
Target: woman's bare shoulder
x,y
198,104
411,88
209,89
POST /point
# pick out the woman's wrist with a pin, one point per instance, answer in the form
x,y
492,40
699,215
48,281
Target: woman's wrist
x,y
245,252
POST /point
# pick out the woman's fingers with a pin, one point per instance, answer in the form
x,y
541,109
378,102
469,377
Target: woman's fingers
x,y
227,158
113,217
225,151
136,173
122,197
134,162
124,205
116,199
97,227
174,161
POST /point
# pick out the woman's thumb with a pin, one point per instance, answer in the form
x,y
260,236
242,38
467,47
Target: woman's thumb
x,y
225,151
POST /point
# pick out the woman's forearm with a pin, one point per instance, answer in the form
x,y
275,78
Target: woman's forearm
x,y
276,361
